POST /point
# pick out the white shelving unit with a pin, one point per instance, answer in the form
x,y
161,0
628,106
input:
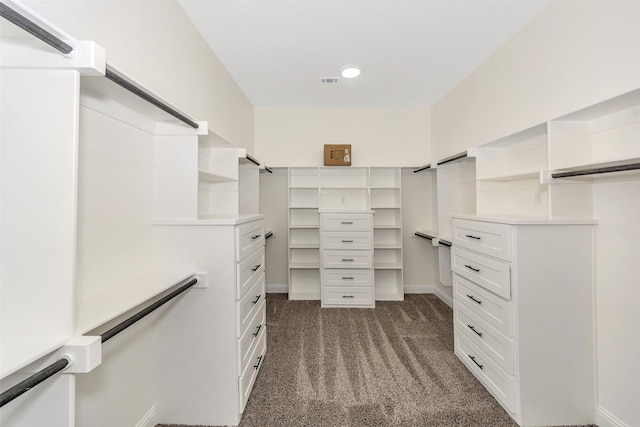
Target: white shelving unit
x,y
338,189
386,202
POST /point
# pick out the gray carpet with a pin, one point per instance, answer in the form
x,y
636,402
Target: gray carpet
x,y
389,366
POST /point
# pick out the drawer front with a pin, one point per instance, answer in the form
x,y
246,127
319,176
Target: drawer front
x,y
499,383
494,343
247,343
347,259
346,222
486,237
249,271
488,273
249,238
347,296
351,278
249,305
489,307
346,240
248,377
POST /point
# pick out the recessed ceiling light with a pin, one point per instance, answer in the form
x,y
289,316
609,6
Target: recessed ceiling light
x,y
350,71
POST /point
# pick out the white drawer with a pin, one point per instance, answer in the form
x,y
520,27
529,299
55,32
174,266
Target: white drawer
x,y
498,382
346,222
352,278
251,336
347,296
248,377
347,259
494,343
486,272
249,271
489,307
249,305
486,237
249,238
346,240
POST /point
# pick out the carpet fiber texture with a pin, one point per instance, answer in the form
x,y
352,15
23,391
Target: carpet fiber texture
x,y
389,366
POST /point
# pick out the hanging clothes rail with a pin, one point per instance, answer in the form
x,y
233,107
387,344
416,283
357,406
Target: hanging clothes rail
x,y
268,234
453,158
133,319
424,236
422,168
593,171
34,29
444,242
35,379
252,160
268,170
122,81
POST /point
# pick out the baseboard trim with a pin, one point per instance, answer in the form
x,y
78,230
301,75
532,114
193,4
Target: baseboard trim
x,y
275,288
605,418
149,419
418,289
443,297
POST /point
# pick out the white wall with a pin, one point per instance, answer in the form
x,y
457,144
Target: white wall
x,y
378,137
156,44
572,55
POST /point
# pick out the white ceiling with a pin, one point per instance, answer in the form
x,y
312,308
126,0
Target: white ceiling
x,y
413,52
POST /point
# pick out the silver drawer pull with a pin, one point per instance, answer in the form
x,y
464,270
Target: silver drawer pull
x,y
255,334
255,301
347,222
474,361
347,259
257,365
347,278
473,328
348,296
256,267
477,270
257,236
347,241
472,237
473,299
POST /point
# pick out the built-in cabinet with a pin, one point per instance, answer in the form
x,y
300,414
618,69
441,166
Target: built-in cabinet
x,y
208,380
339,189
523,314
346,248
523,261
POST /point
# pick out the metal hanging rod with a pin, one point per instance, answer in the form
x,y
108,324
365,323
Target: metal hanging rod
x,y
422,168
606,169
444,242
268,170
453,158
120,80
34,29
253,160
269,234
35,379
133,319
424,236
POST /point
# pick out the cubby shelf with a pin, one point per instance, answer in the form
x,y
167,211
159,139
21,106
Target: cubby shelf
x,y
337,189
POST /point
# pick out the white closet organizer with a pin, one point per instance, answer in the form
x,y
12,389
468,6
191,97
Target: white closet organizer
x,y
347,259
221,330
523,299
347,190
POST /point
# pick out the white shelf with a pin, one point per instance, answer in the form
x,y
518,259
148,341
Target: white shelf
x,y
304,246
508,178
209,177
304,265
304,227
387,266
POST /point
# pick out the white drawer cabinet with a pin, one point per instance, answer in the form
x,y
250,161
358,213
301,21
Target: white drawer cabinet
x,y
522,292
347,260
222,328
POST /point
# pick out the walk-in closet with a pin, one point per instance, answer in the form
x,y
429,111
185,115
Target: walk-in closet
x,y
276,213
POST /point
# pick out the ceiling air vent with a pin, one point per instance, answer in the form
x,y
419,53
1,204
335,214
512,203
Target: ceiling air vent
x,y
329,80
